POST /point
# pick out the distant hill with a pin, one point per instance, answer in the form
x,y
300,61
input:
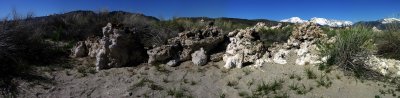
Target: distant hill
x,y
247,22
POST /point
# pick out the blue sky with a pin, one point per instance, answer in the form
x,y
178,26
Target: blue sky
x,y
353,10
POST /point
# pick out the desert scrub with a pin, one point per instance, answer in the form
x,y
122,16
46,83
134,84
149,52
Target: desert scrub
x,y
269,36
388,42
350,47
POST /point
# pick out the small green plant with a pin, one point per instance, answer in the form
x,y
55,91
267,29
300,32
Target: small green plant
x,y
338,76
299,89
84,70
232,83
143,82
246,71
222,95
265,89
193,83
294,76
303,90
178,93
243,94
282,95
165,80
155,87
294,86
162,69
185,81
250,83
324,81
310,74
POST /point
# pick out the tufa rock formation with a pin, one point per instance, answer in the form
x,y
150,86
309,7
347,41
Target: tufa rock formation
x,y
302,42
244,47
116,48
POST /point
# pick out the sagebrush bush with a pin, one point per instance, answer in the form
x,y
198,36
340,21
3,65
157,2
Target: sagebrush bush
x,y
269,36
351,46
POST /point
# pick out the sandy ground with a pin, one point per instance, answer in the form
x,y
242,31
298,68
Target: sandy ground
x,y
208,81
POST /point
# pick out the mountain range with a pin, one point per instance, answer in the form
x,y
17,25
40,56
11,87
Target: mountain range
x,y
320,21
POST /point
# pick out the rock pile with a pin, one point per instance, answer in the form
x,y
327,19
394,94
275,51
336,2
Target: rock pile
x,y
116,48
181,48
302,42
244,47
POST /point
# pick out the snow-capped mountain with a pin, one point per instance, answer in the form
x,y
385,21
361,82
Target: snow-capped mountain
x,y
389,20
320,21
294,20
331,22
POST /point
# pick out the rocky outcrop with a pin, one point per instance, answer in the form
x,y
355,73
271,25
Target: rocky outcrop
x,y
199,57
244,47
181,47
116,48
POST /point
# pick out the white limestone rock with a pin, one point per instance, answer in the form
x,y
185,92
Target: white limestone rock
x,y
199,57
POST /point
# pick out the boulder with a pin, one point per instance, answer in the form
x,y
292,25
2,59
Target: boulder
x,y
199,57
172,63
